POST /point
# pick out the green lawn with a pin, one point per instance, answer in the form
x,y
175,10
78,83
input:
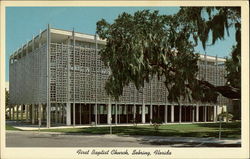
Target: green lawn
x,y
229,130
8,127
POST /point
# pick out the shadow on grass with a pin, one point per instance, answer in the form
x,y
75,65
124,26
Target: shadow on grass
x,y
229,130
231,125
149,131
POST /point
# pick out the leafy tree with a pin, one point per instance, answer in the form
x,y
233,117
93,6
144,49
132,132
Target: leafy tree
x,y
217,21
147,44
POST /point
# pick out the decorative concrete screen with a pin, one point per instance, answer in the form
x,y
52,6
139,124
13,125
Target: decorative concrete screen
x,y
61,72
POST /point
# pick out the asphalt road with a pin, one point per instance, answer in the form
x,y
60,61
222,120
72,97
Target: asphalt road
x,y
43,139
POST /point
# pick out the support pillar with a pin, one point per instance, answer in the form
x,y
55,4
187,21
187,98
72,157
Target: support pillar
x,y
17,113
42,112
215,113
13,112
179,113
39,114
74,113
193,113
143,108
33,113
60,113
95,114
9,113
56,113
151,113
109,117
197,113
80,113
143,113
68,114
27,113
166,114
172,113
48,76
227,114
134,112
115,113
205,107
21,111
10,117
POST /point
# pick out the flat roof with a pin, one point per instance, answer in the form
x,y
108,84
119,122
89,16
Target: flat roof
x,y
60,34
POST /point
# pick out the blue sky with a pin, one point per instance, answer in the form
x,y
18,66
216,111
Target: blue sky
x,y
24,22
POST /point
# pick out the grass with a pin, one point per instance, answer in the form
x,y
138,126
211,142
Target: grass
x,y
229,130
9,127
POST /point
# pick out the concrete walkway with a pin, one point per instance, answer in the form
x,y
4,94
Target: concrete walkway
x,y
25,126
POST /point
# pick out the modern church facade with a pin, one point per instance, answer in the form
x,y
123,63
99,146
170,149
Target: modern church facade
x,y
57,78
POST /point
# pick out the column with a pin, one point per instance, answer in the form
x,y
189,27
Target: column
x,y
227,114
143,113
39,114
42,112
48,77
119,113
95,111
74,114
68,114
197,113
166,114
179,113
134,112
17,113
13,112
109,117
21,111
60,113
80,113
115,113
215,113
151,113
143,108
96,52
9,113
172,113
56,113
193,113
10,117
36,113
90,110
26,113
30,113
33,114
205,107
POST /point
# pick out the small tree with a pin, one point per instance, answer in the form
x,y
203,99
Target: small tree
x,y
156,123
224,115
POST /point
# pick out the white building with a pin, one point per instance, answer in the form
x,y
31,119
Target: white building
x,y
60,72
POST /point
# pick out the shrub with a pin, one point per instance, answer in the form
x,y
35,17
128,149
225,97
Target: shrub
x,y
156,123
224,115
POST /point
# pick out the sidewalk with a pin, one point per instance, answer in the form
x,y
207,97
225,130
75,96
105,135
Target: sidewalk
x,y
25,126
